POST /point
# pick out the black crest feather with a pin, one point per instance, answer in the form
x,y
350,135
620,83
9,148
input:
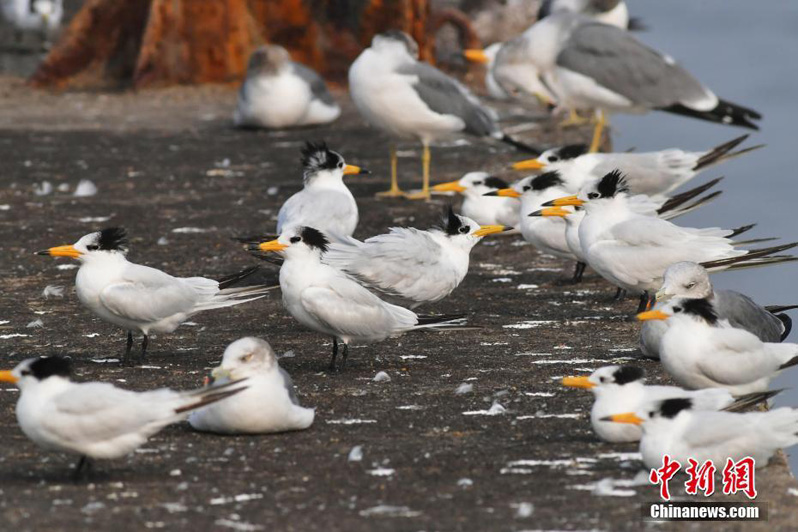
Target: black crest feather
x,y
546,180
451,222
572,151
44,367
316,156
113,239
611,184
700,307
495,182
671,407
314,238
627,374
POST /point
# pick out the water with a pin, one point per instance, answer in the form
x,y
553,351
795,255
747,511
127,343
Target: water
x,y
745,51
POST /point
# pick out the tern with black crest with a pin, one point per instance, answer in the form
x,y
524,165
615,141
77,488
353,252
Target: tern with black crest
x,y
477,205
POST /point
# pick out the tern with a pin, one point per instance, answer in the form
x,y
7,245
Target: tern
x,y
691,280
623,388
675,428
325,201
280,93
326,300
590,65
633,250
485,210
409,265
96,420
269,403
408,98
701,350
140,298
651,173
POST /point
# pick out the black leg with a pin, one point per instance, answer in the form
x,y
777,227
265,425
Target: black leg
x,y
126,359
579,271
335,354
144,343
643,305
346,353
620,294
83,465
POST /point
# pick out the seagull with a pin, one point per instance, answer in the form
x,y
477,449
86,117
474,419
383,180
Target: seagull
x,y
651,173
140,298
691,280
621,388
96,420
485,210
269,404
408,98
701,350
326,300
632,250
280,93
590,65
410,265
325,201
675,428
30,15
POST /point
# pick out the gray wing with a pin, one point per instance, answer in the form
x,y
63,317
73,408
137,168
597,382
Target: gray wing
x,y
317,85
621,63
742,312
447,96
289,386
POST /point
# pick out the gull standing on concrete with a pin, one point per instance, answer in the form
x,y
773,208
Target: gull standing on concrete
x,y
622,388
691,280
33,15
485,210
326,300
633,250
325,201
140,298
279,93
590,65
701,350
675,428
651,173
269,403
409,265
96,420
408,98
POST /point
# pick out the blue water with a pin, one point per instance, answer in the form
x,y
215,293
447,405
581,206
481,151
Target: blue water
x,y
746,52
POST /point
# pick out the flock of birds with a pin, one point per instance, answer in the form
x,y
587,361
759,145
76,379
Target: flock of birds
x,y
611,212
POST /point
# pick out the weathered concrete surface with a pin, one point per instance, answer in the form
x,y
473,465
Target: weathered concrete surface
x,y
158,160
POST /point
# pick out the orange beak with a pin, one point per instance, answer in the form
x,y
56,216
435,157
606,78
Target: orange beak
x,y
351,169
653,315
504,193
272,245
451,186
61,251
577,382
529,164
624,418
476,56
7,376
552,211
565,202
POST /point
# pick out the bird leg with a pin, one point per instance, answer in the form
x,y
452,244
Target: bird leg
x,y
84,465
334,356
395,191
345,354
574,120
128,349
620,294
597,132
144,343
645,302
579,271
425,161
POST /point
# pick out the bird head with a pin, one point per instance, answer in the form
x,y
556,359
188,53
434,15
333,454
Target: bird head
x,y
686,280
606,377
36,370
111,241
320,162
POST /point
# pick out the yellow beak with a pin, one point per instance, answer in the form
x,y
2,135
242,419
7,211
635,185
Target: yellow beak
x,y
552,211
564,202
529,164
577,382
451,186
506,193
272,245
6,376
624,418
351,169
476,56
653,315
485,230
220,373
61,251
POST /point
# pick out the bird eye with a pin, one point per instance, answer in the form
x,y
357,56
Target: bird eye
x,y
477,183
246,358
296,239
25,372
527,187
602,379
652,414
465,229
689,285
92,247
593,195
553,158
677,309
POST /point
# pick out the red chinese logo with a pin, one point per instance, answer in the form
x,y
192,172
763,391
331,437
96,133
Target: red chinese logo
x,y
737,477
701,478
663,475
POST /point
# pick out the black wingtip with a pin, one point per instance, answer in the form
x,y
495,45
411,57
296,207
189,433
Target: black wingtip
x,y
724,113
520,146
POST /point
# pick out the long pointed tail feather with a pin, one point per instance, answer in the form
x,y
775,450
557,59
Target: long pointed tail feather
x,y
723,152
753,254
682,198
744,402
212,394
532,150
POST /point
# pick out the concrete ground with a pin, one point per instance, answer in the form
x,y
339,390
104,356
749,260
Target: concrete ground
x,y
169,167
